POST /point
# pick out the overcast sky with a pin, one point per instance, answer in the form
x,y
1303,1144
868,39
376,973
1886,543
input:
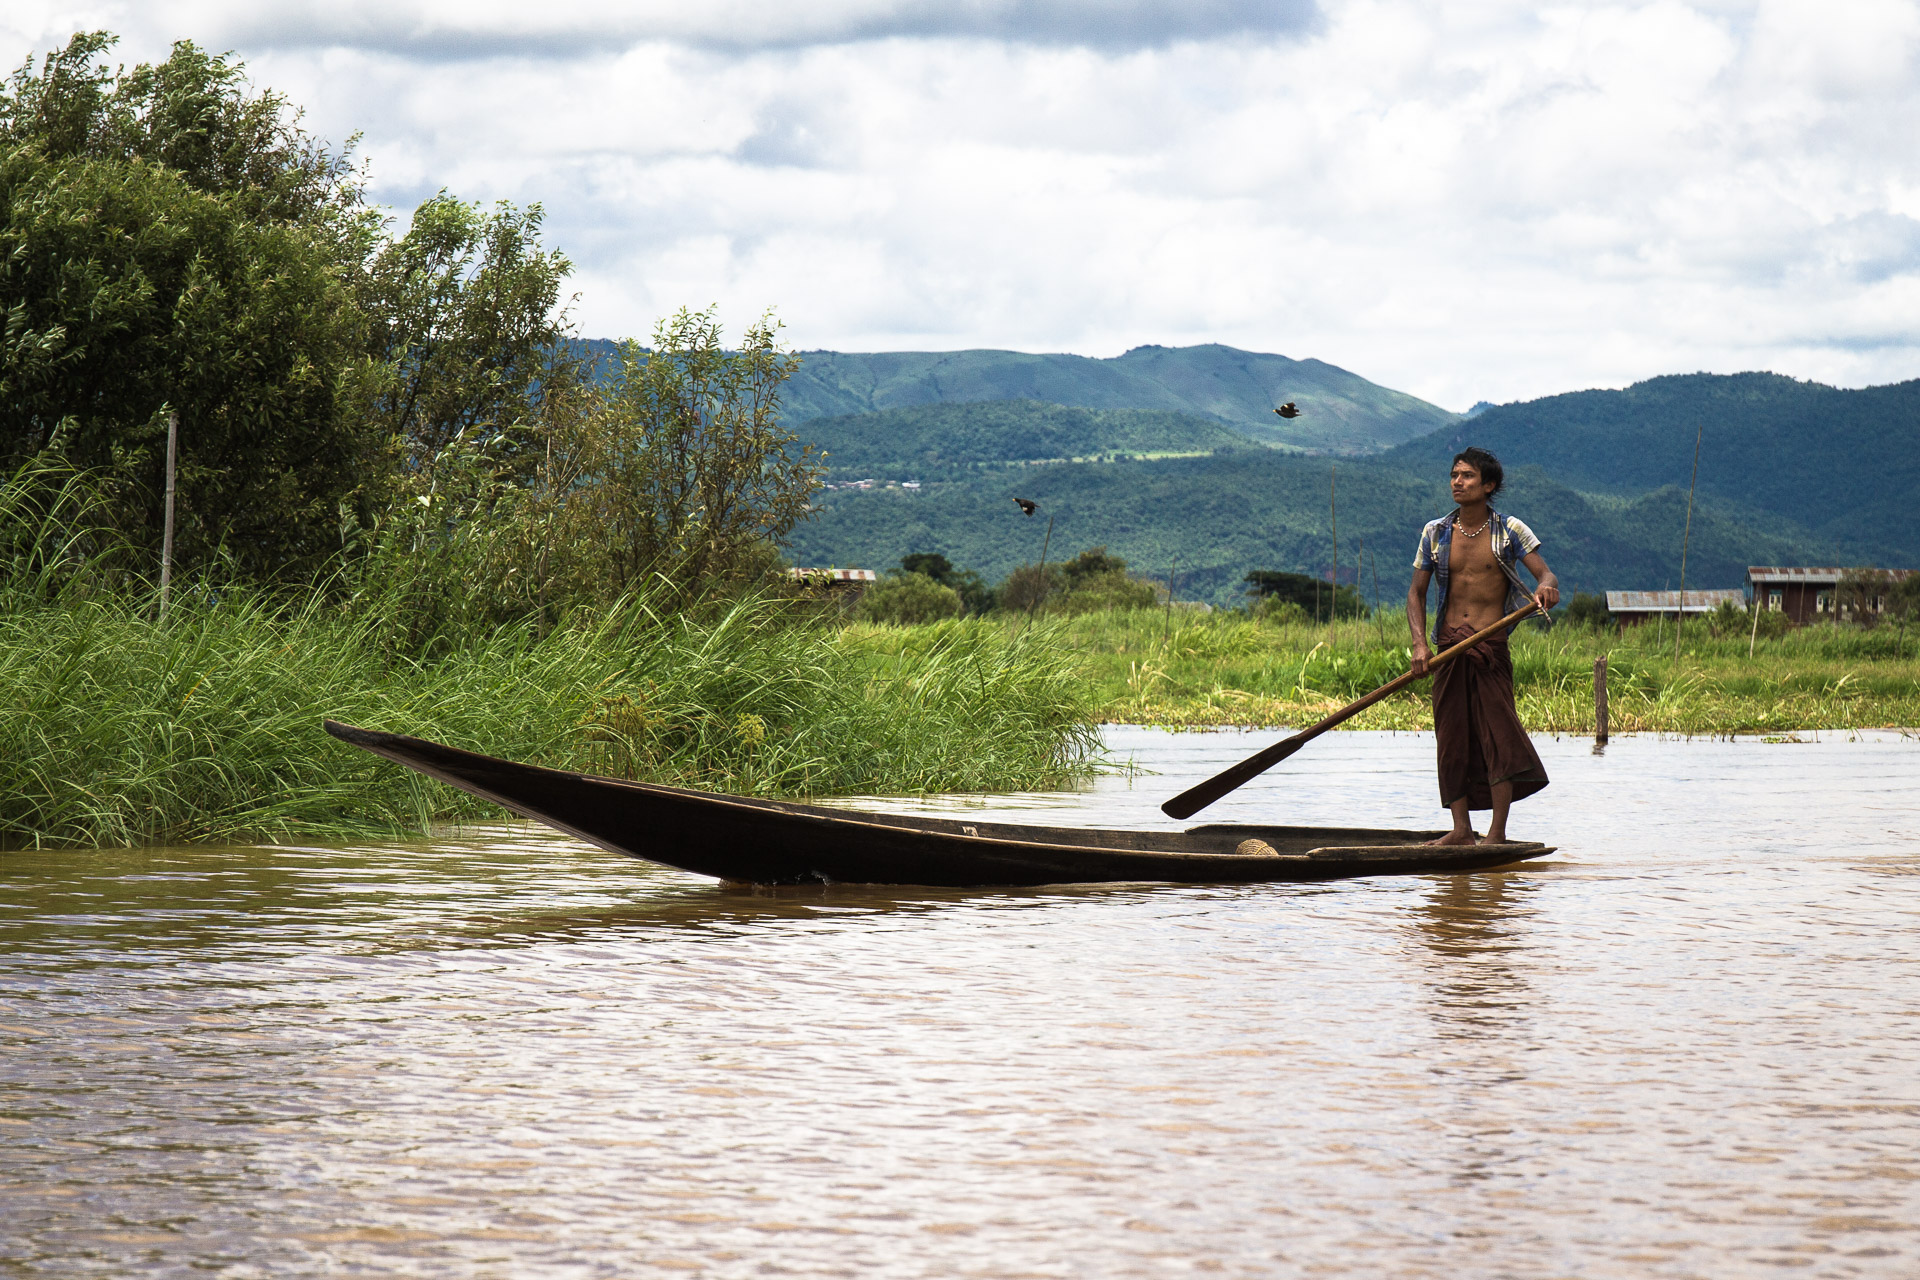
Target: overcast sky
x,y
1482,200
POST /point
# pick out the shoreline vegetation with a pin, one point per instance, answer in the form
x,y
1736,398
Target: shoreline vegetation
x,y
125,731
1221,670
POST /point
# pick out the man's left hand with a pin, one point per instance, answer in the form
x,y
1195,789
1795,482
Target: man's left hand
x,y
1546,598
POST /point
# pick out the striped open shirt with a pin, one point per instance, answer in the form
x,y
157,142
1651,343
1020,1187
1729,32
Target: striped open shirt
x,y
1512,542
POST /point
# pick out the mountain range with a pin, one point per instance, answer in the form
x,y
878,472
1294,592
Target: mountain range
x,y
1341,412
1162,456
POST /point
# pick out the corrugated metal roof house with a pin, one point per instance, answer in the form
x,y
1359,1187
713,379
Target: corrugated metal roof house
x,y
832,579
1805,594
1630,608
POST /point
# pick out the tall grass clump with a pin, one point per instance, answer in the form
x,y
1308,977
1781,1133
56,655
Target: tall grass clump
x,y
121,730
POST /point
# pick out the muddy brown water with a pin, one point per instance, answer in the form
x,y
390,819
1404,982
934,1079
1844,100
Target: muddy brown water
x,y
1686,1045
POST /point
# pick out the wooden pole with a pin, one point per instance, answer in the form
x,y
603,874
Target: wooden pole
x,y
1756,621
1680,616
166,535
1333,518
1373,562
1166,631
1600,701
1040,587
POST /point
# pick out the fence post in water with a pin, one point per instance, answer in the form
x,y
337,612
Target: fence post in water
x,y
166,536
1600,702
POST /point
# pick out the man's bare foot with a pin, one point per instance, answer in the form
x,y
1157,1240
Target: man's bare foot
x,y
1457,837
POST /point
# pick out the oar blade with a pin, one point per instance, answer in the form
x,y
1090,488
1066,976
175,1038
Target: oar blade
x,y
1196,798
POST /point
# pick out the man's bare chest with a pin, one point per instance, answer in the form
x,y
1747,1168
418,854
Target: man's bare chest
x,y
1472,566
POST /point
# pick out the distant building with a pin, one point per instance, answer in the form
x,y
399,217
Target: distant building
x,y
1807,595
853,581
1632,608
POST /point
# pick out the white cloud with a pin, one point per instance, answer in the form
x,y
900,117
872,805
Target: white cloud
x,y
1476,201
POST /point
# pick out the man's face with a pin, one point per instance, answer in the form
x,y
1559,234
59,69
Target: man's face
x,y
1467,484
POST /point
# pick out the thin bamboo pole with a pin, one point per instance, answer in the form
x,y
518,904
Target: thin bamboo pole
x,y
1373,562
1166,630
1040,587
1680,616
166,535
1333,519
1600,701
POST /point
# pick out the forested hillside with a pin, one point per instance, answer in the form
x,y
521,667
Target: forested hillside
x,y
1226,513
1845,464
939,441
1341,412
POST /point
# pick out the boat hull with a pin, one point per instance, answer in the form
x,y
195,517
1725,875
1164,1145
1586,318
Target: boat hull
x,y
742,840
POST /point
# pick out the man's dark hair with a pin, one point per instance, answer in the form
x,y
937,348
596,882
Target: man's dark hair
x,y
1485,463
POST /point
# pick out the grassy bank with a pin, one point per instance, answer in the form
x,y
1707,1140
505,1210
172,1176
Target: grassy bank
x,y
122,731
1221,669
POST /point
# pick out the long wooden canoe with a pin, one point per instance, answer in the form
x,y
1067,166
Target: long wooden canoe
x,y
747,841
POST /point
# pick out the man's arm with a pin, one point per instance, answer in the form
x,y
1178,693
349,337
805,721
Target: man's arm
x,y
1547,594
1417,618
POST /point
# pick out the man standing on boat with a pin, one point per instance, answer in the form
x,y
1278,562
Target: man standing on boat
x,y
1486,759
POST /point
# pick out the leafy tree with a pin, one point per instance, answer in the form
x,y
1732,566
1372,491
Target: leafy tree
x,y
1903,602
192,115
1091,580
1097,580
691,474
1587,610
170,244
1281,612
1029,586
1729,619
1311,594
1092,563
930,563
907,599
1868,596
975,595
467,323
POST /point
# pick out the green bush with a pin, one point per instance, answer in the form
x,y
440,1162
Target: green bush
x,y
1111,590
1586,610
906,600
1280,612
975,595
1028,587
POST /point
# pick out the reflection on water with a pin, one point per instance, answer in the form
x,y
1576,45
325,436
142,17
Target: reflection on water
x,y
1685,1046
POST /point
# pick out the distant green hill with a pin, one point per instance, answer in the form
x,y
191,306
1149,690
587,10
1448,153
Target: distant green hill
x,y
1341,412
1792,472
1233,511
1844,465
942,440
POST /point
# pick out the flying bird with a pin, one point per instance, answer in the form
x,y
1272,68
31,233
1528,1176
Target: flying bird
x,y
1287,410
1027,505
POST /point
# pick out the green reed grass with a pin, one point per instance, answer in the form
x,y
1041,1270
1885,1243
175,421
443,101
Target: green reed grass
x,y
122,731
1227,669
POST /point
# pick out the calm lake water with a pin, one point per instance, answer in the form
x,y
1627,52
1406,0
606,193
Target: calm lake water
x,y
1687,1045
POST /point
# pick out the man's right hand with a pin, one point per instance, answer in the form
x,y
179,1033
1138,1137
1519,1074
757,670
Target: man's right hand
x,y
1421,655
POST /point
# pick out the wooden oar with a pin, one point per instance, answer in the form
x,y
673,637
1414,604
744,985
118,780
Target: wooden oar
x,y
1194,799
